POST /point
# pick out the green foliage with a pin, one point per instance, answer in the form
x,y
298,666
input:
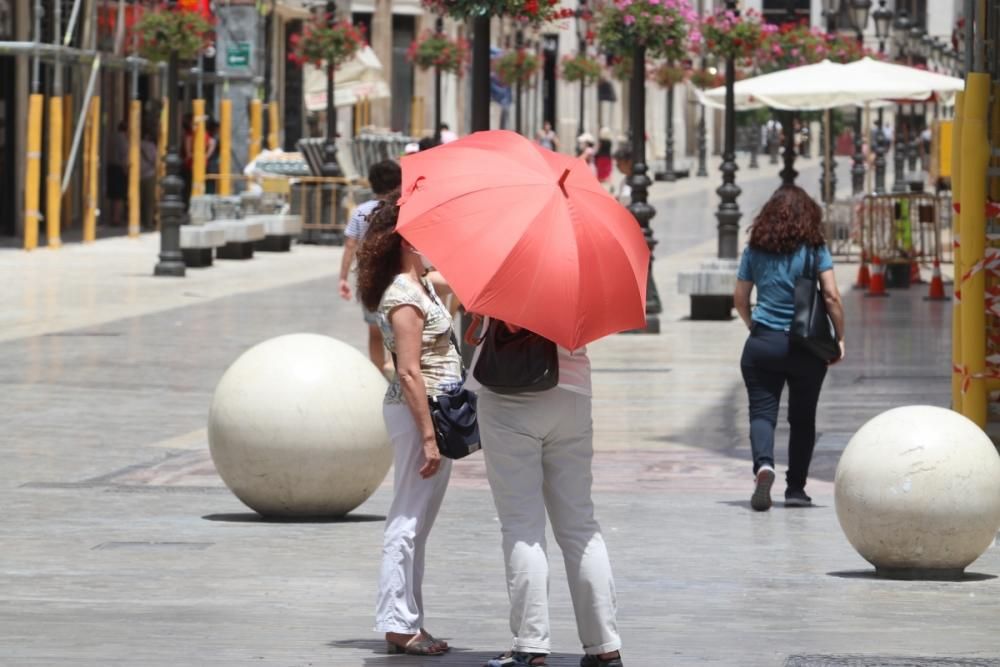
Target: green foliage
x,y
516,66
163,30
581,67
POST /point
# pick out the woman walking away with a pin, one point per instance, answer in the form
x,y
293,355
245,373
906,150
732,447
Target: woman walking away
x,y
784,236
417,331
538,447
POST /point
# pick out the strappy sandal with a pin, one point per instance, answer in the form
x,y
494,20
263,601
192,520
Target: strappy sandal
x,y
419,645
439,642
517,659
596,661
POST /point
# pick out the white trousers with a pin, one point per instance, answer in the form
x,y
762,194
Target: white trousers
x,y
415,504
538,451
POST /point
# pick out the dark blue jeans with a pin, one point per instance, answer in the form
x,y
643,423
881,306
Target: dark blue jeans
x,y
769,362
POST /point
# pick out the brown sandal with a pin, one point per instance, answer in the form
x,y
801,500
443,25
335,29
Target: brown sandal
x,y
418,645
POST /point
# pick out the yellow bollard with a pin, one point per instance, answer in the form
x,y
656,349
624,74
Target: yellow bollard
x,y
956,232
198,158
67,135
256,128
225,146
53,196
273,134
134,164
32,183
975,159
161,154
93,175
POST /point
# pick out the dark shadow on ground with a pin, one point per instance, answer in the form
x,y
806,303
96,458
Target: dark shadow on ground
x,y
252,517
778,505
870,576
456,656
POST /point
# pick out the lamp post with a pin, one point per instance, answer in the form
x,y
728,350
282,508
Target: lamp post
x,y
581,37
519,45
439,29
728,213
639,181
883,27
702,136
902,26
480,73
828,175
172,213
330,168
858,11
669,174
917,34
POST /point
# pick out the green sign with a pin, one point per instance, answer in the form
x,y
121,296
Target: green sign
x,y
238,55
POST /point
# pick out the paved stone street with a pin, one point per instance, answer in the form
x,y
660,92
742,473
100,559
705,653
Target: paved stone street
x,y
123,547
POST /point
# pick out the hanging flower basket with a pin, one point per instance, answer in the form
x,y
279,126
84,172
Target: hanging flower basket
x,y
164,30
435,49
728,34
794,46
704,79
325,39
516,66
667,75
666,28
533,11
621,68
581,67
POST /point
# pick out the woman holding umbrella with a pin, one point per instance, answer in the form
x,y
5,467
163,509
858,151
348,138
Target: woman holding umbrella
x,y
530,239
417,329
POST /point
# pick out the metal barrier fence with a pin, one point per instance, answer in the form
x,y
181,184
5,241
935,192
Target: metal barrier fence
x,y
903,228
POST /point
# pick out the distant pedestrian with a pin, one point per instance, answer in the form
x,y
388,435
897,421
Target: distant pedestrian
x,y
602,158
447,136
586,148
117,177
418,330
786,232
149,156
383,177
211,154
547,137
623,161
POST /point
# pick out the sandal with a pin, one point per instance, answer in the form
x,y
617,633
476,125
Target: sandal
x,y
596,661
517,659
439,642
418,645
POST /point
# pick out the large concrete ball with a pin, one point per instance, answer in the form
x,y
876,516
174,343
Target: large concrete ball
x,y
918,492
296,427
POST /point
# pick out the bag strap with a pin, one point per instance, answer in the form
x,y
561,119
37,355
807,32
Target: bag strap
x,y
809,263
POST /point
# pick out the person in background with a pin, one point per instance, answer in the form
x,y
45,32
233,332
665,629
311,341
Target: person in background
x,y
586,148
149,155
447,136
547,138
118,173
392,279
384,177
211,153
784,234
602,159
623,161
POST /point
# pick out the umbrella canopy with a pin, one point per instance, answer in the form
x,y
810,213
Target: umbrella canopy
x,y
526,235
361,77
827,85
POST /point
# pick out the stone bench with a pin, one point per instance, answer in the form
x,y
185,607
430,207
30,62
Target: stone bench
x,y
711,289
279,231
198,244
241,235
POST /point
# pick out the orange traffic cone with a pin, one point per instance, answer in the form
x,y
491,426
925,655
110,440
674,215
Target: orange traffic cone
x,y
876,287
915,278
864,277
936,292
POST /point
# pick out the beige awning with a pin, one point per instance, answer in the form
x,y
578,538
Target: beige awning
x,y
359,78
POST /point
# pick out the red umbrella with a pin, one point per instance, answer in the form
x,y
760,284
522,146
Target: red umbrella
x,y
526,235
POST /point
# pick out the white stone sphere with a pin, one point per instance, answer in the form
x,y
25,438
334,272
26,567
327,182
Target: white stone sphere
x,y
918,492
296,428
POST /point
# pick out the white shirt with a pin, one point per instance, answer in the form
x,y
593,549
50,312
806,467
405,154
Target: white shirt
x,y
574,369
357,226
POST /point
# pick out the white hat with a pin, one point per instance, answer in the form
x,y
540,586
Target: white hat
x,y
411,148
586,138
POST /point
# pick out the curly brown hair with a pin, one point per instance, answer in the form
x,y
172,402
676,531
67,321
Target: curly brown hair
x,y
380,256
789,219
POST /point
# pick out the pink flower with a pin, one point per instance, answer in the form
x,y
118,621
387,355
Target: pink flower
x,y
695,36
658,20
629,19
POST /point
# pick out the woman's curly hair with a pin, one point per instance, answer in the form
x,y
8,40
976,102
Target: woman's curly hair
x,y
789,219
380,256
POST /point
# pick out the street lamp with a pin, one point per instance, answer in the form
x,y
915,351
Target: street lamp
x,y
172,211
669,174
829,166
330,169
582,18
902,26
439,29
639,181
728,213
883,28
858,11
519,45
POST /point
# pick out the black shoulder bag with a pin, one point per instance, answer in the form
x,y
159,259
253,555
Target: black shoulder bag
x,y
812,329
516,362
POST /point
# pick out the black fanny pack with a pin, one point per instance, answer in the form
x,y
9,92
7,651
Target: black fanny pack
x,y
516,362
